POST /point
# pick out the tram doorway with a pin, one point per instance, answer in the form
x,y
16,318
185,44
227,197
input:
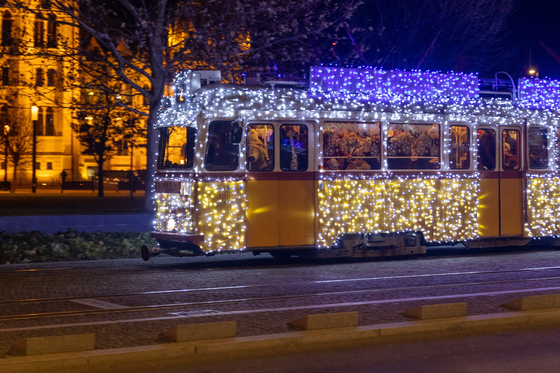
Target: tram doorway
x,y
511,181
500,164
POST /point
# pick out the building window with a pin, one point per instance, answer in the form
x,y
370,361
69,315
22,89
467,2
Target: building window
x,y
49,166
37,165
39,32
40,79
51,75
7,22
40,119
145,99
45,122
5,76
51,32
49,123
45,4
3,116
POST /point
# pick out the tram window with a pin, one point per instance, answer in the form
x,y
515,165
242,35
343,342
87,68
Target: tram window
x,y
486,150
459,153
221,154
260,147
294,147
177,148
538,152
413,146
510,150
351,146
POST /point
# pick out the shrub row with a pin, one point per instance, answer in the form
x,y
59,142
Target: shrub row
x,y
25,247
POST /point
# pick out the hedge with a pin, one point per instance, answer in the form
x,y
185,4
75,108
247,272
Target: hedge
x,y
25,247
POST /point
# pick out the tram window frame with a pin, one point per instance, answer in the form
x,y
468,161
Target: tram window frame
x,y
269,147
363,155
510,155
187,149
287,157
537,154
491,143
465,163
226,157
410,149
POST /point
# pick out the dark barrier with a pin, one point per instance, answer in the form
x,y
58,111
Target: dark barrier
x,y
77,185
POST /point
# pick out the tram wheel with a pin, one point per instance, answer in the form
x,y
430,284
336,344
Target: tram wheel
x,y
280,255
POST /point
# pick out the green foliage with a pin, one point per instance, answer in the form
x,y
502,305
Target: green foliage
x,y
27,247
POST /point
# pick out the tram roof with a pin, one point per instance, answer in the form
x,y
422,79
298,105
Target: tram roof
x,y
393,96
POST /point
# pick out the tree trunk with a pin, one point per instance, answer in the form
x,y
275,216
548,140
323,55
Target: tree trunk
x,y
100,177
151,150
14,178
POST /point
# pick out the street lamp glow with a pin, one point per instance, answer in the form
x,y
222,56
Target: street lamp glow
x,y
34,118
34,112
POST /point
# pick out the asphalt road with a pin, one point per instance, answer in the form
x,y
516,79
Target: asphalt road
x,y
130,303
515,352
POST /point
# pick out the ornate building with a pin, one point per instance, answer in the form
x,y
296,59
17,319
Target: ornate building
x,y
35,65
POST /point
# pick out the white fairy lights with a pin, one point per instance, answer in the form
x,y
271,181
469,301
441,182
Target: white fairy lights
x,y
543,206
443,206
221,215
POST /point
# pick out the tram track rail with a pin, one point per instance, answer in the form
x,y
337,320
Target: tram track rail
x,y
434,252
179,305
268,285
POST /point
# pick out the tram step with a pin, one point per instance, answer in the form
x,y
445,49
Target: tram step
x,y
535,302
438,311
326,321
57,344
199,332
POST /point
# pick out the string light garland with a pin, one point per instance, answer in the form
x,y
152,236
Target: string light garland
x,y
221,215
543,206
443,206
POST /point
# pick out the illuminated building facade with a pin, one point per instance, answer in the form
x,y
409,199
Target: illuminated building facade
x,y
33,74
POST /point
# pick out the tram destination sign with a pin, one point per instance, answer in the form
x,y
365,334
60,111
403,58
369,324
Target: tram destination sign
x,y
168,187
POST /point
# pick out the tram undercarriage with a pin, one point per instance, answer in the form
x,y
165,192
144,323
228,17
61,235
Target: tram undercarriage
x,y
347,246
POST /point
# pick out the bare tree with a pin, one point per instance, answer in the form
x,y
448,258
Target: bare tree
x,y
20,141
470,36
103,127
143,43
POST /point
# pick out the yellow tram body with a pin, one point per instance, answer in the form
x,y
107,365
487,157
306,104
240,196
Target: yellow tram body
x,y
308,197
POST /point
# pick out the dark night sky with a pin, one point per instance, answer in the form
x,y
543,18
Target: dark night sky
x,y
538,21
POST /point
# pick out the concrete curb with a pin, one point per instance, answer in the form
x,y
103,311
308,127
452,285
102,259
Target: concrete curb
x,y
191,353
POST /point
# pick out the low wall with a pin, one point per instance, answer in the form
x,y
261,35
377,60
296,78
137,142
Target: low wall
x,y
83,223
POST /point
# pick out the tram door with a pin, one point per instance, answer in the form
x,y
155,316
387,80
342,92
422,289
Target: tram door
x,y
511,181
280,185
501,185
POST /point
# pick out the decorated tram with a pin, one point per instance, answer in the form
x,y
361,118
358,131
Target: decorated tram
x,y
357,162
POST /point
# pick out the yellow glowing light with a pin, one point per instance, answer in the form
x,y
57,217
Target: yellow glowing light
x,y
543,204
443,209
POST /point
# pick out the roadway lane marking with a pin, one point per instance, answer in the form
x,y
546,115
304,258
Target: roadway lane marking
x,y
98,304
205,313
